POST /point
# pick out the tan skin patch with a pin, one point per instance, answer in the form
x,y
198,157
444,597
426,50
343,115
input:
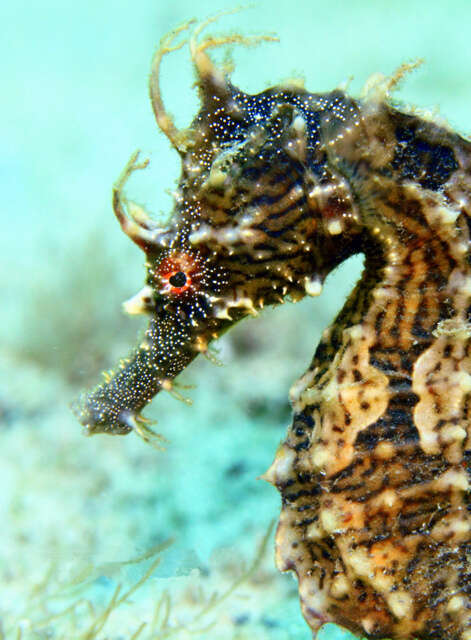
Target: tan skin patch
x,y
442,381
352,395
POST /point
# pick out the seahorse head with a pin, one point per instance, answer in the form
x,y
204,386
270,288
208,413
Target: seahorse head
x,y
259,216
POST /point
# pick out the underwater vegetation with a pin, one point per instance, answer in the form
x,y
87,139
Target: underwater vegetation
x,y
276,190
185,608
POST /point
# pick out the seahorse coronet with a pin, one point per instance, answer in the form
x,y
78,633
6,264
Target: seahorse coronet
x,y
276,190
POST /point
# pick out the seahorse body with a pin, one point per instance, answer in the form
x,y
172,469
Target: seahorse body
x,y
276,190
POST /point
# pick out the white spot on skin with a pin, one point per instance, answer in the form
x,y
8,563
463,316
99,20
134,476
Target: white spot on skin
x,y
401,604
281,468
453,527
318,191
340,586
334,227
447,215
388,498
455,604
453,433
456,479
313,286
385,450
464,381
222,313
320,457
215,179
360,563
139,303
368,624
329,521
298,387
315,531
299,125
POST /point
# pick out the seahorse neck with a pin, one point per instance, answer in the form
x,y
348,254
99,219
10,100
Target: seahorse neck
x,y
417,273
416,282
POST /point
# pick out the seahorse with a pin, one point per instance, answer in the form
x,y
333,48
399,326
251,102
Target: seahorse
x,y
276,190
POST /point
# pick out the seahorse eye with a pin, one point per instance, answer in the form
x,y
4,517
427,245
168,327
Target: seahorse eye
x,y
178,272
178,279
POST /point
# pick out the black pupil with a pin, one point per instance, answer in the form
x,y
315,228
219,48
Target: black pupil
x,y
178,279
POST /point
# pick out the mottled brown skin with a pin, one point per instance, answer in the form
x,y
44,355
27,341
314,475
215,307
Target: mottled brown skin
x,y
276,190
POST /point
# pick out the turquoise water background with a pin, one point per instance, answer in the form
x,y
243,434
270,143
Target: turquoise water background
x,y
74,106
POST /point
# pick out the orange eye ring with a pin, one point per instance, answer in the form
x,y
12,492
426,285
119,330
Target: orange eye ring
x,y
178,273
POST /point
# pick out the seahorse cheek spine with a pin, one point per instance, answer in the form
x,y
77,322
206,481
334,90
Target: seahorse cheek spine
x,y
276,190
